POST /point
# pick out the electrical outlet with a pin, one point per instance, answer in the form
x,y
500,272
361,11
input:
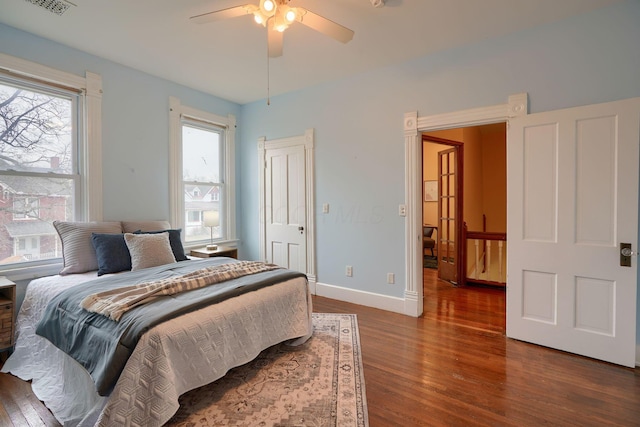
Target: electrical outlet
x,y
402,210
349,271
391,278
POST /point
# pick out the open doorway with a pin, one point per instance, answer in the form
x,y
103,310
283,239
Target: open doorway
x,y
464,186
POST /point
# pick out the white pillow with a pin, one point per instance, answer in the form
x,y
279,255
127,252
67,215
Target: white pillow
x,y
78,254
149,250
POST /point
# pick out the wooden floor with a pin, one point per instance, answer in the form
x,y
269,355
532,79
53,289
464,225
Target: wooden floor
x,y
455,367
451,367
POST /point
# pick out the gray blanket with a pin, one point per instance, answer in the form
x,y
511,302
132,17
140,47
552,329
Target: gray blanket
x,y
102,345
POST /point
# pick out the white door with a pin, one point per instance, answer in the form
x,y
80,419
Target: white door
x,y
285,207
572,200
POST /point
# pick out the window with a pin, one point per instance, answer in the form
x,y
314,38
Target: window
x,y
38,152
202,175
43,176
26,208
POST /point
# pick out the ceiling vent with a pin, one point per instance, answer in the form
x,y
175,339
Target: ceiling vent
x,y
56,6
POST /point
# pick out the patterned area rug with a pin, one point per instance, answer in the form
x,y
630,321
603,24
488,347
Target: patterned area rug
x,y
319,383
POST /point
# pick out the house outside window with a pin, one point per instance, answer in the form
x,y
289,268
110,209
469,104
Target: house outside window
x,y
202,174
28,247
194,217
43,172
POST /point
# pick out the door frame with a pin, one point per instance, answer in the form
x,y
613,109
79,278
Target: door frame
x,y
517,105
307,140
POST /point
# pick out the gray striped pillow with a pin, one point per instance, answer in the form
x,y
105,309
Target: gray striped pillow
x,y
133,226
78,254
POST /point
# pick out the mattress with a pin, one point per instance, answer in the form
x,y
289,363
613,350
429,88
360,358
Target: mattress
x,y
170,359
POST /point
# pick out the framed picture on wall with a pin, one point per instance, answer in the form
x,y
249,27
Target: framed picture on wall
x,y
431,191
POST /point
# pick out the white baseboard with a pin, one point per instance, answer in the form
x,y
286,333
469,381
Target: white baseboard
x,y
383,302
638,355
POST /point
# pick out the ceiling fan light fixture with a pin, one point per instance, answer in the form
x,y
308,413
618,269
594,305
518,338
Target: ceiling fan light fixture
x,y
291,14
260,18
268,7
277,16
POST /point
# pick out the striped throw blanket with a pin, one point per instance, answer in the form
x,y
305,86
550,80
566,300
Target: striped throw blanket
x,y
114,303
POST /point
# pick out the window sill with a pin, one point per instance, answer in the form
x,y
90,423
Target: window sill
x,y
195,245
30,272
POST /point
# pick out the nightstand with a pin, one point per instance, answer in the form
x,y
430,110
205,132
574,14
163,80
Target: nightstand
x,y
7,307
221,251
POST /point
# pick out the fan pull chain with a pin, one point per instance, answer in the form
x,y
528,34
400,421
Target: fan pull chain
x,y
268,78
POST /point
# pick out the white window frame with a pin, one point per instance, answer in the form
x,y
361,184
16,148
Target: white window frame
x,y
89,204
178,111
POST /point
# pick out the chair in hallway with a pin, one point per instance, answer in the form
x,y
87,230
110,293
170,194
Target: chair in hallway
x,y
427,241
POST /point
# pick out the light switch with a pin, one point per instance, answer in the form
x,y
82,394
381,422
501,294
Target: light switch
x,y
325,208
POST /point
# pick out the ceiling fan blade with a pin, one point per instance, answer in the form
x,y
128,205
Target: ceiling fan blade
x,y
325,26
275,43
218,15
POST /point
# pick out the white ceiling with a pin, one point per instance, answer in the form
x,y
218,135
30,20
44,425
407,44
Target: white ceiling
x,y
229,58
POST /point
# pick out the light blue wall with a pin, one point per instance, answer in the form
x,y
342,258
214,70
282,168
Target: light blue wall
x,y
359,128
135,123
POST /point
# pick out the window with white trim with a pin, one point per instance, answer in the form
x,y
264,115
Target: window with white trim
x,y
44,171
202,175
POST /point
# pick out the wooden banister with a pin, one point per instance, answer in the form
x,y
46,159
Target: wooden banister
x,y
480,270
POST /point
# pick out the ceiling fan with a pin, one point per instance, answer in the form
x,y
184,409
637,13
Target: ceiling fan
x,y
276,16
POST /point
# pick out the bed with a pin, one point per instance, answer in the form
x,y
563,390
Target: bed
x,y
171,358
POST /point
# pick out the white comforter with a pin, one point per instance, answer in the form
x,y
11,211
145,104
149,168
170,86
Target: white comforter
x,y
169,360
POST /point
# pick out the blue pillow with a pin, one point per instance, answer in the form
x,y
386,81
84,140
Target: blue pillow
x,y
112,253
174,240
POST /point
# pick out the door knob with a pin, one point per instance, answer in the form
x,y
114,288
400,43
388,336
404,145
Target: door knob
x,y
301,229
625,254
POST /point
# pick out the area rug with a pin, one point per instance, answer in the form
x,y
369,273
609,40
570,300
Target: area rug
x,y
430,262
319,383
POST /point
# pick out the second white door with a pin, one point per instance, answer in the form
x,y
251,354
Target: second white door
x,y
285,207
